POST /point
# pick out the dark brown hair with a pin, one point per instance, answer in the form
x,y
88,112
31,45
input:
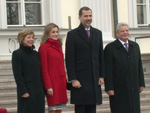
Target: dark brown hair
x,y
84,8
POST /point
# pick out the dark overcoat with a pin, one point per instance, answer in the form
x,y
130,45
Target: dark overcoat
x,y
85,62
124,75
26,69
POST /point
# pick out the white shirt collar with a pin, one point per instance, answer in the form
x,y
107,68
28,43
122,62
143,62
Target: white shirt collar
x,y
123,42
87,28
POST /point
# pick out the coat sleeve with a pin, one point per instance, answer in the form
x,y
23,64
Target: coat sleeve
x,y
44,68
17,71
108,69
141,73
101,61
70,57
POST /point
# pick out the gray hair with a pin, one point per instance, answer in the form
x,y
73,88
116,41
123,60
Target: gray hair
x,y
121,24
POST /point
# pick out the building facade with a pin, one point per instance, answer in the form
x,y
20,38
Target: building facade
x,y
16,15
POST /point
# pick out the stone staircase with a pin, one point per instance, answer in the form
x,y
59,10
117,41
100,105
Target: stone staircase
x,y
8,98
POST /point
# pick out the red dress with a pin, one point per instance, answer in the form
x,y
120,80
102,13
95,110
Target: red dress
x,y
53,71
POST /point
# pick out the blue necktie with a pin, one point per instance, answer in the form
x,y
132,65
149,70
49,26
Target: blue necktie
x,y
126,46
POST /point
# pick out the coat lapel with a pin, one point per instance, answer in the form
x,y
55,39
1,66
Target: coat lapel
x,y
83,34
120,46
93,35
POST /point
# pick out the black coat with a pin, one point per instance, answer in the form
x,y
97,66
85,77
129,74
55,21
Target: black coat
x,y
26,69
85,62
124,75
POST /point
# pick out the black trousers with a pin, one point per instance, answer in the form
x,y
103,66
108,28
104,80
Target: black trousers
x,y
85,108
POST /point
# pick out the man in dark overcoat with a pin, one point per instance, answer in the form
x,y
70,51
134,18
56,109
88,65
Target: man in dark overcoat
x,y
124,78
85,64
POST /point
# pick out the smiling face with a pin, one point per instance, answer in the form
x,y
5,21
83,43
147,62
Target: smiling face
x,y
86,18
28,40
54,33
123,33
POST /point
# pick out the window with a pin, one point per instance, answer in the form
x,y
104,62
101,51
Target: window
x,y
24,12
143,12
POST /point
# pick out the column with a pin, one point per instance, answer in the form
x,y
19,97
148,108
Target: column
x,y
3,14
55,12
132,14
101,16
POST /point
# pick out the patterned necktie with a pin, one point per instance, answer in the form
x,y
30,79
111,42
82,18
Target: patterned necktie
x,y
126,46
88,33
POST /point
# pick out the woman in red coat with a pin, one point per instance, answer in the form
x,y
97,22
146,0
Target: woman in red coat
x,y
53,70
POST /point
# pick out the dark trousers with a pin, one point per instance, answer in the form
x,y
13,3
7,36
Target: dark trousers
x,y
85,108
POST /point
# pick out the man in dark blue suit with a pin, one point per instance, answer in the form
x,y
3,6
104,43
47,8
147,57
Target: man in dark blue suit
x,y
85,64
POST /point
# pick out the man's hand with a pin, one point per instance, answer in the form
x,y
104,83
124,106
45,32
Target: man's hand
x,y
76,84
26,95
101,81
110,92
141,89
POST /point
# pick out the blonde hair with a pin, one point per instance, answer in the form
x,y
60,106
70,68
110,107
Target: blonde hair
x,y
47,29
22,34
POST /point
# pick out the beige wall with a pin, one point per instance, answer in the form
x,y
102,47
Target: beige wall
x,y
144,45
69,8
123,11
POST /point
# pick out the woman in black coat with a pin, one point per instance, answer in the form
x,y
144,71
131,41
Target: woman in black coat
x,y
26,69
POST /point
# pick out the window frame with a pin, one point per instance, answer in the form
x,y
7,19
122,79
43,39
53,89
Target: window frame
x,y
22,10
147,5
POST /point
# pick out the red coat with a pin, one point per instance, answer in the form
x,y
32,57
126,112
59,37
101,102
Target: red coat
x,y
53,71
3,110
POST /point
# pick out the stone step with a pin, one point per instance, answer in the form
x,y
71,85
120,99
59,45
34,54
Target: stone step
x,y
8,103
8,81
145,94
100,109
13,103
13,95
145,101
147,75
105,105
8,96
144,109
6,75
12,110
13,87
5,64
6,71
7,89
147,80
104,108
147,88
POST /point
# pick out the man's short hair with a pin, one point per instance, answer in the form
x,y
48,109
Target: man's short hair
x,y
84,8
121,24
